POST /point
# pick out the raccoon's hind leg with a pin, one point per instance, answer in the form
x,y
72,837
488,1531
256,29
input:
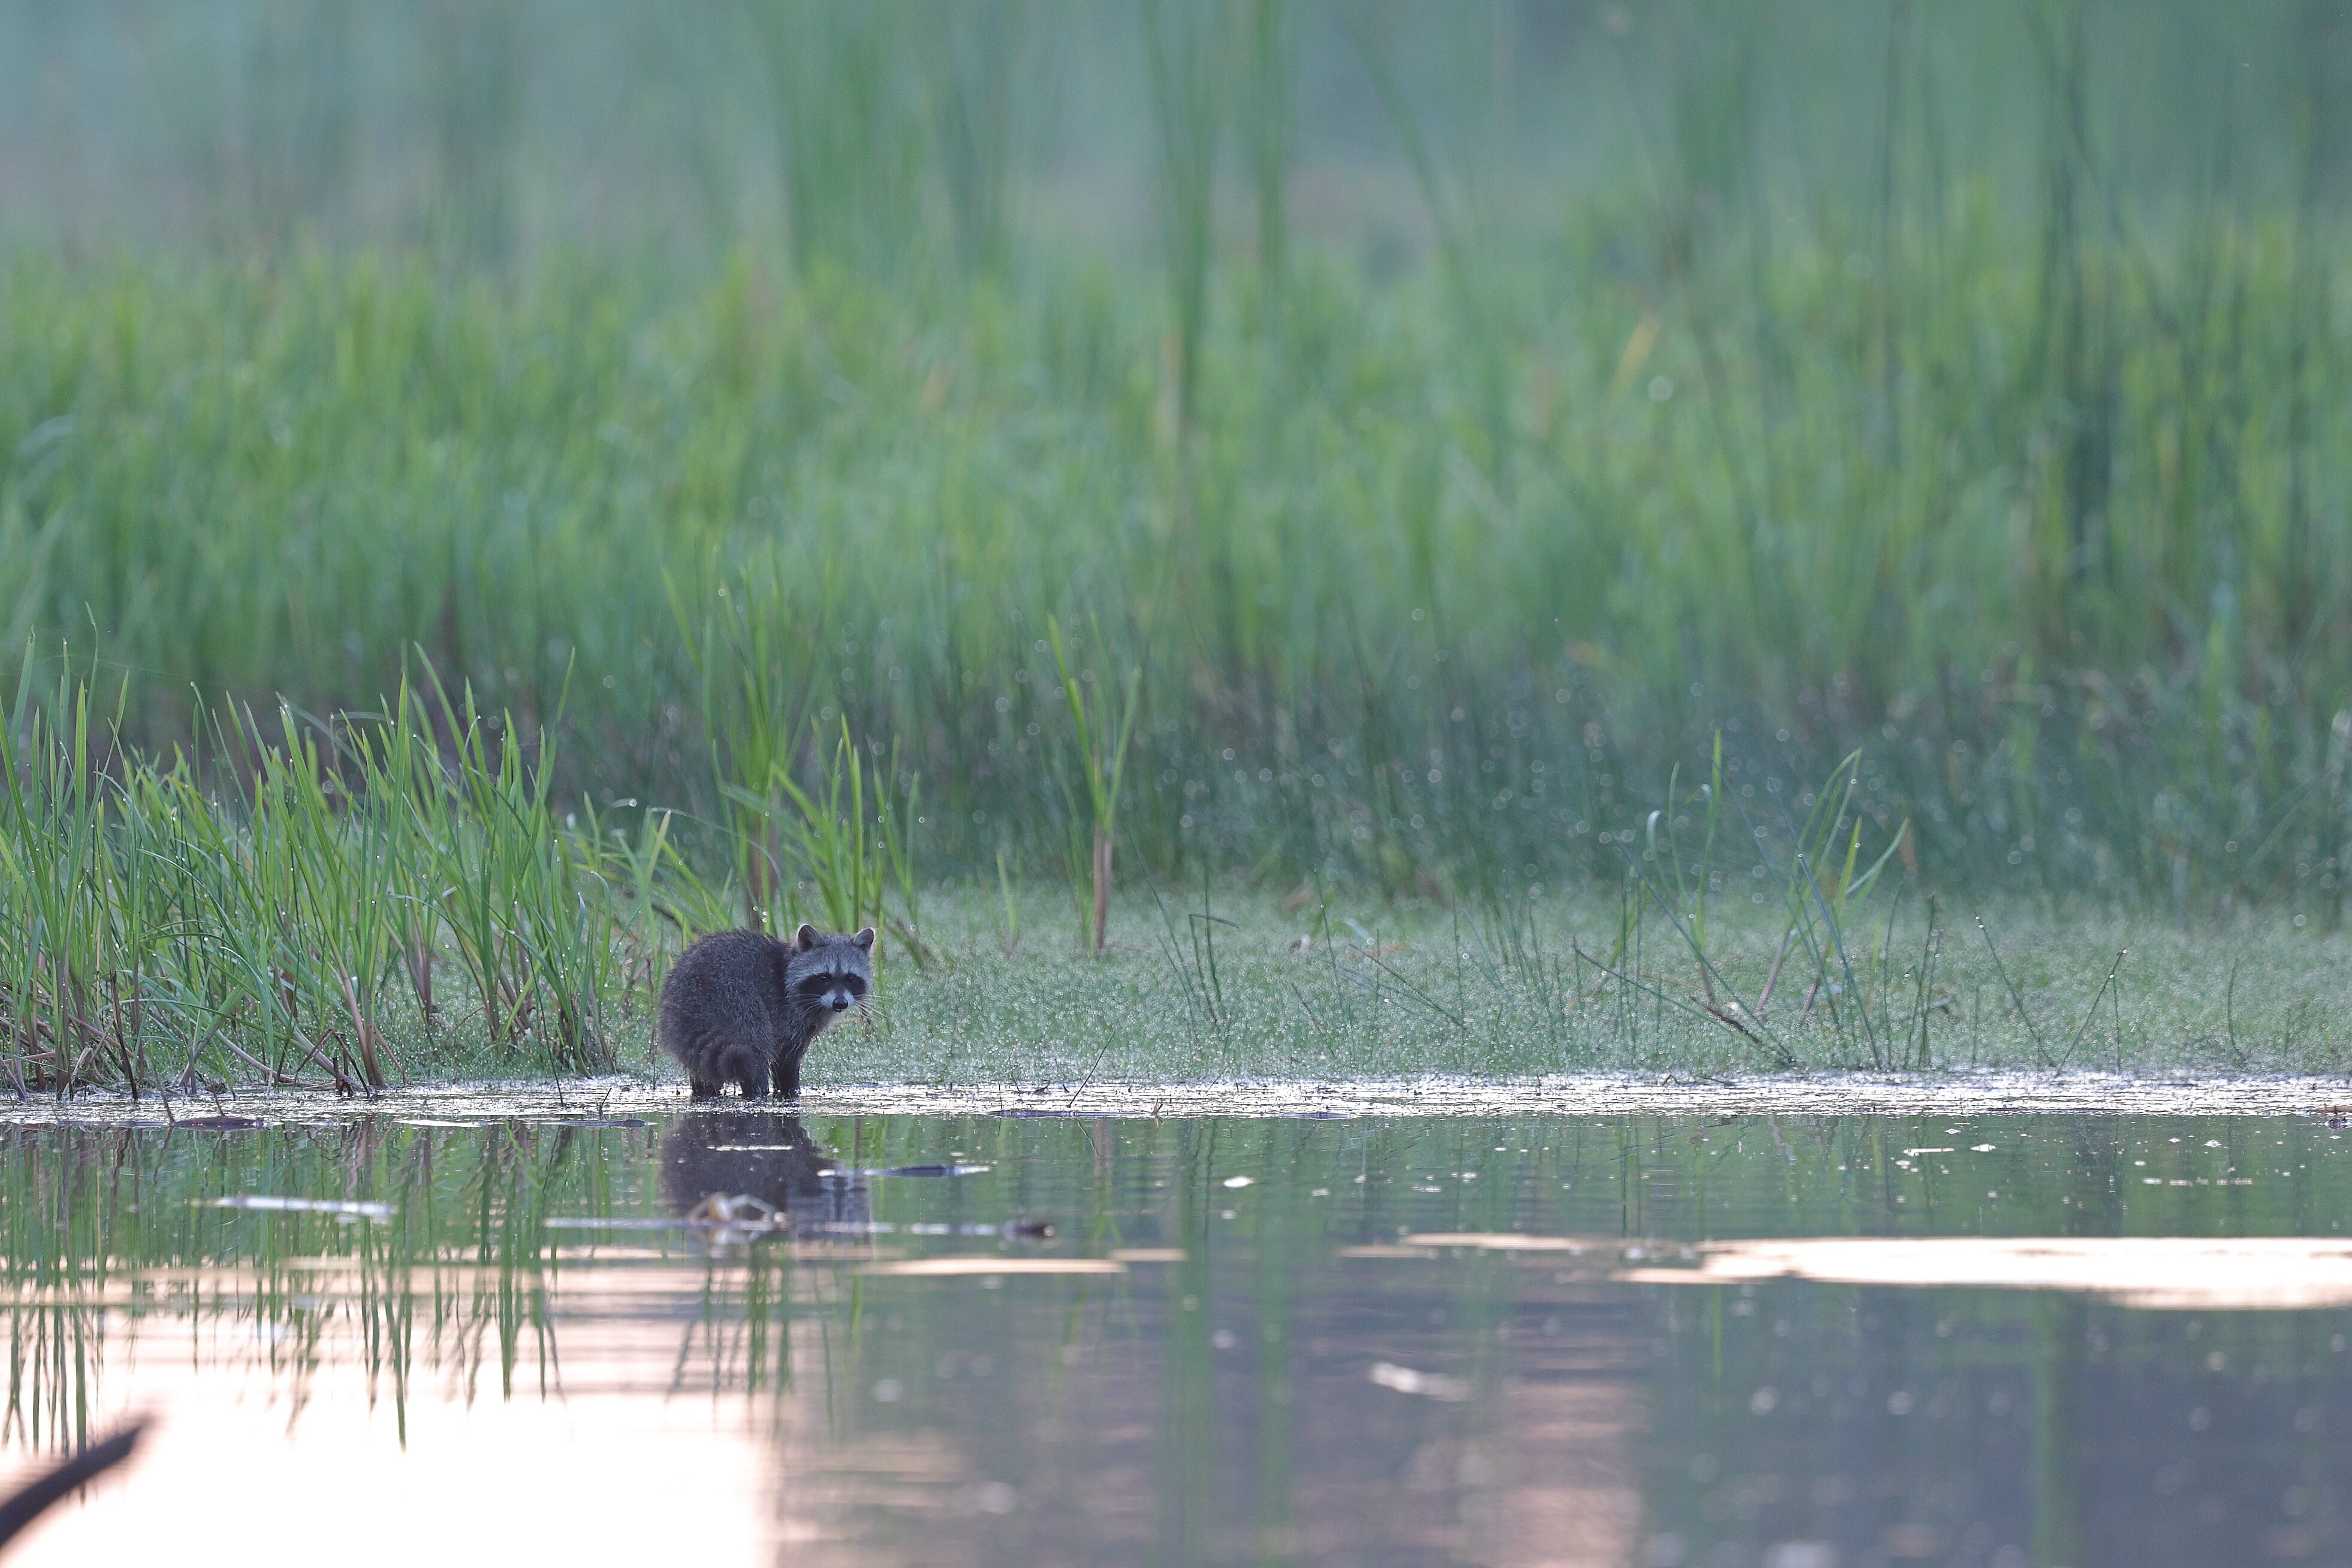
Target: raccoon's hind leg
x,y
700,1058
747,1069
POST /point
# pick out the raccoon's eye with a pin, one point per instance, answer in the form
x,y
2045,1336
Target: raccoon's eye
x,y
854,985
816,984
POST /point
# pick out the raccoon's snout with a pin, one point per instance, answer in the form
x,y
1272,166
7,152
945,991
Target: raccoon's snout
x,y
838,1001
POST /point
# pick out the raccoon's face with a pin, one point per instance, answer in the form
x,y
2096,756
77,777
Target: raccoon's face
x,y
831,974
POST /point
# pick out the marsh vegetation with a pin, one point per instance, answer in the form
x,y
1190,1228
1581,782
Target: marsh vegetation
x,y
1555,477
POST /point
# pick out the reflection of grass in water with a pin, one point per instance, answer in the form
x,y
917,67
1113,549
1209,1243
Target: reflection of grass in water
x,y
457,1296
454,1280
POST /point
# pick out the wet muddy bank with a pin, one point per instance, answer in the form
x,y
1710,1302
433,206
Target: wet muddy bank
x,y
619,1101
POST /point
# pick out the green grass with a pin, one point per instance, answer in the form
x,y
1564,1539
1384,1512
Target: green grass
x,y
1547,987
825,579
283,480
794,599
366,908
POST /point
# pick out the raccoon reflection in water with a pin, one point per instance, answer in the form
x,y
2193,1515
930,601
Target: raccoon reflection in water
x,y
766,1155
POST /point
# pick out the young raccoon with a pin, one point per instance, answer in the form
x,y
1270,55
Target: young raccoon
x,y
740,1007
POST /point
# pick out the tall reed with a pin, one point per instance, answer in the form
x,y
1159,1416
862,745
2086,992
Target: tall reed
x,y
846,113
1270,125
1183,42
476,55
1100,744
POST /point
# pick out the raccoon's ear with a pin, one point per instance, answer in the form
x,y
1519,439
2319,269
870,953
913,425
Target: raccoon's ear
x,y
865,938
805,939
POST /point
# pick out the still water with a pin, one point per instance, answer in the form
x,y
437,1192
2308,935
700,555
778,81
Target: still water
x,y
751,1336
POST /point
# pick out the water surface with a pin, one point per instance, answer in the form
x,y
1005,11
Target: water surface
x,y
756,1336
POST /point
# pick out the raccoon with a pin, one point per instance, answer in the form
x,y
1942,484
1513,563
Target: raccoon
x,y
742,1007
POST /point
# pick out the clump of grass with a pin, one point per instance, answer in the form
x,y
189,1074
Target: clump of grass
x,y
241,912
848,841
514,902
751,646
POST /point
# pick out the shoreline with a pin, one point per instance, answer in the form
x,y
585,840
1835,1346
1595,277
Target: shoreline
x,y
622,1100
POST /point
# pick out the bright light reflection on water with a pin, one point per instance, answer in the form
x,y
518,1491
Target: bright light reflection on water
x,y
746,1336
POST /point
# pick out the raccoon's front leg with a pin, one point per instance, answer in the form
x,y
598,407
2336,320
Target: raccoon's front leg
x,y
788,1073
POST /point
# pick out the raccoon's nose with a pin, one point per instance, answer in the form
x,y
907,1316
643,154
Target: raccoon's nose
x,y
839,1001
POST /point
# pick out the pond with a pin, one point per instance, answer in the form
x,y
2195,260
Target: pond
x,y
750,1335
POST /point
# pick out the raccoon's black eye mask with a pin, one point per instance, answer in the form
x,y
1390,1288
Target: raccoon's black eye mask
x,y
818,984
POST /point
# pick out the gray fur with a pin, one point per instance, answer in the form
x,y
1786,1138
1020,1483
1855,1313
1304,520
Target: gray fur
x,y
742,1007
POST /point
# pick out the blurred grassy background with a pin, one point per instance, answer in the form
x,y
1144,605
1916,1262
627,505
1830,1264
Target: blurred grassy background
x,y
1459,411
1453,418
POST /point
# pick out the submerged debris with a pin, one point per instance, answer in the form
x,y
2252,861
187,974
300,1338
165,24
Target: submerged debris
x,y
723,1215
740,1212
1428,1384
29,1502
951,1268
